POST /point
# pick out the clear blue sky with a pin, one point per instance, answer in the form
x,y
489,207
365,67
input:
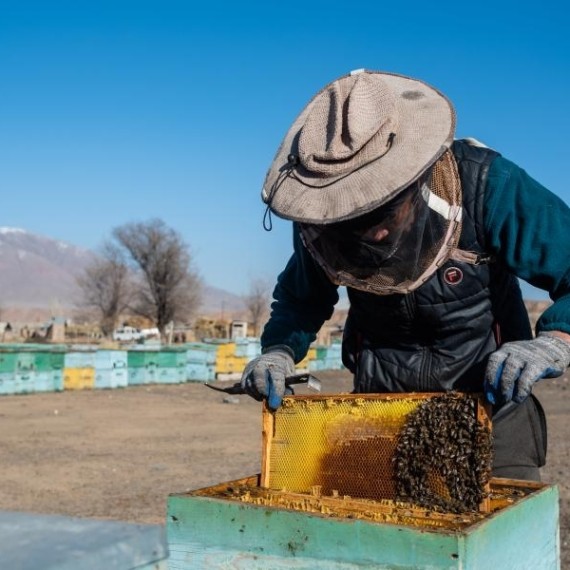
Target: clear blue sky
x,y
116,111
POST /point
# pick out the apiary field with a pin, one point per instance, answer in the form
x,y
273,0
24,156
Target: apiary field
x,y
117,454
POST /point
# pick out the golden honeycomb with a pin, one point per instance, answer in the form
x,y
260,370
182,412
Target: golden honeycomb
x,y
503,494
342,445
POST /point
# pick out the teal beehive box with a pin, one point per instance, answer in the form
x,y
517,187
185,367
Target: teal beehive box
x,y
142,366
241,525
201,362
327,497
111,369
49,381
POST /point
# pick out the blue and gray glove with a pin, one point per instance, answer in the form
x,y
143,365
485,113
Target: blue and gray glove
x,y
264,376
514,368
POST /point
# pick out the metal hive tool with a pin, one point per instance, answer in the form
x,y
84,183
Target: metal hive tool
x,y
352,446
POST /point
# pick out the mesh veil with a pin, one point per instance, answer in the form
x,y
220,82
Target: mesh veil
x,y
397,247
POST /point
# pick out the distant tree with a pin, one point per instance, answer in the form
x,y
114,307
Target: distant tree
x,y
167,288
105,286
257,302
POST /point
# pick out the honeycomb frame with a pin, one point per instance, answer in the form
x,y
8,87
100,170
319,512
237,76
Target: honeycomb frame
x,y
343,444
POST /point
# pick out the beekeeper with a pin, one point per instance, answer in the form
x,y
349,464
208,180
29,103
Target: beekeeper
x,y
428,234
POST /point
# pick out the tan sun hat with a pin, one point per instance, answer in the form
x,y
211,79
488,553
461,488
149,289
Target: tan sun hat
x,y
360,141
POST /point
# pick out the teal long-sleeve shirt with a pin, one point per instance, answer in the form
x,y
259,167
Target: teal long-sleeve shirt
x,y
526,226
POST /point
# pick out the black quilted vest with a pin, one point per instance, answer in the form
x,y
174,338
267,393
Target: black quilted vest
x,y
439,337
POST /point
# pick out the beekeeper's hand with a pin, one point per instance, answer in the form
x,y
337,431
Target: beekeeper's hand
x,y
264,376
514,368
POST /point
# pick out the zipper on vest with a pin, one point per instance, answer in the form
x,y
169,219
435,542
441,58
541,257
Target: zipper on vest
x,y
424,383
410,304
425,371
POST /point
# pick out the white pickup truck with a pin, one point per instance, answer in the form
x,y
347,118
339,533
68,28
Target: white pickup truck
x,y
132,334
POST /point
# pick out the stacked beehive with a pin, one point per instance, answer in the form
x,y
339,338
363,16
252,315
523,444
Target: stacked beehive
x,y
233,356
48,368
201,362
79,370
111,369
326,358
227,362
171,366
24,371
249,347
326,498
142,367
27,368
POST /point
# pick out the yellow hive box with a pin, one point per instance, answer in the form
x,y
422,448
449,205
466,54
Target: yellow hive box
x,y
225,350
231,364
304,364
78,378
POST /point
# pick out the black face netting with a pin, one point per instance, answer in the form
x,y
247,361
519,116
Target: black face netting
x,y
390,249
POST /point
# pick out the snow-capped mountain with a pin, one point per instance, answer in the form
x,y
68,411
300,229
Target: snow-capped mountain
x,y
40,272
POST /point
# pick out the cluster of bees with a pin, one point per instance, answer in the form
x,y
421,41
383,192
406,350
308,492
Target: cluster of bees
x,y
444,455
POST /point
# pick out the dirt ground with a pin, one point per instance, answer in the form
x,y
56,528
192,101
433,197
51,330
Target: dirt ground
x,y
117,454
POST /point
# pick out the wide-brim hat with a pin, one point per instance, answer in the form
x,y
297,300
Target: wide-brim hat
x,y
361,140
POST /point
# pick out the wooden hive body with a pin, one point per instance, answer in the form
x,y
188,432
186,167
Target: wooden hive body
x,y
224,527
325,499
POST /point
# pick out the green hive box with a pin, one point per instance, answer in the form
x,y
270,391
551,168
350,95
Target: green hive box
x,y
228,526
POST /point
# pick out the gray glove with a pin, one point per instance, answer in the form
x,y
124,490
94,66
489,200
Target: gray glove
x,y
264,376
516,366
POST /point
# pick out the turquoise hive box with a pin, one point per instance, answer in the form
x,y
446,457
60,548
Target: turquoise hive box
x,y
207,530
313,505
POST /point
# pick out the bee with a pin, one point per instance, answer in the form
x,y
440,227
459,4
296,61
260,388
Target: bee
x,y
443,455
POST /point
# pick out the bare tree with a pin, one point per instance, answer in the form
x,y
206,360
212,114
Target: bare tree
x,y
168,287
257,303
105,286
